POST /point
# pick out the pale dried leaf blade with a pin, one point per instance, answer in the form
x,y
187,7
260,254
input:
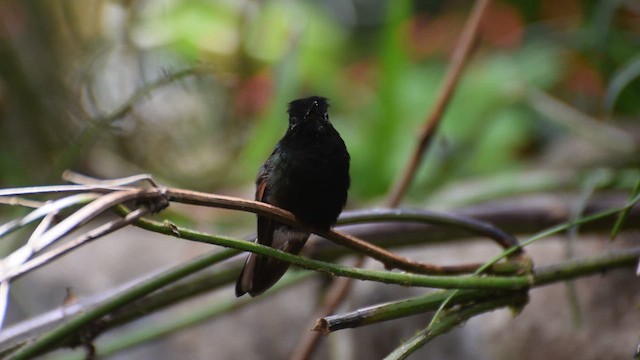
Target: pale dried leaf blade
x,y
4,301
47,208
24,253
31,190
82,216
81,179
51,255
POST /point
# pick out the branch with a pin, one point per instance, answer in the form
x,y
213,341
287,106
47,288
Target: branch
x,y
58,334
337,293
173,322
458,61
521,216
390,260
406,279
167,228
452,221
453,319
430,302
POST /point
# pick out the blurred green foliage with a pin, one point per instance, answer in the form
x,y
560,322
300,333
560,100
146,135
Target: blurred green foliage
x,y
380,63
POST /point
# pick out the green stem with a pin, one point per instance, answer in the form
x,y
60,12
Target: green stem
x,y
553,230
622,216
450,321
567,270
399,309
59,334
406,279
179,321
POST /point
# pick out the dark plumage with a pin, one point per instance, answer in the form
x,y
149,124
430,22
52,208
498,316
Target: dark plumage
x,y
308,175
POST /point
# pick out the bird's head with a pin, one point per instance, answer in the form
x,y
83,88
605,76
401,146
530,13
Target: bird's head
x,y
308,114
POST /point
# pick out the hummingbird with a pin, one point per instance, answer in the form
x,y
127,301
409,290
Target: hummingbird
x,y
307,174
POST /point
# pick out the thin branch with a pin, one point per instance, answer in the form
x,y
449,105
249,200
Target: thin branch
x,y
622,217
525,218
564,271
390,260
397,309
547,275
75,324
407,279
55,336
454,319
532,239
573,269
170,229
177,321
25,331
521,216
338,291
458,61
589,186
471,225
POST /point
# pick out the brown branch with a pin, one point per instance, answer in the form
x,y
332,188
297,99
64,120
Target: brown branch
x,y
458,60
338,291
464,223
389,259
519,216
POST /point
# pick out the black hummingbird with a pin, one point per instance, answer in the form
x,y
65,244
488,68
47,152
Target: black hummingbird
x,y
308,175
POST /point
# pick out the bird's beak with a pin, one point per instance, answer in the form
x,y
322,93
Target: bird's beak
x,y
313,110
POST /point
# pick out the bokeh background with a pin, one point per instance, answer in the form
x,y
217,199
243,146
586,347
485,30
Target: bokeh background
x,y
230,68
194,92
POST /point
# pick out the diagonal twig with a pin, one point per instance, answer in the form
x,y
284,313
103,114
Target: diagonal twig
x,y
338,291
458,61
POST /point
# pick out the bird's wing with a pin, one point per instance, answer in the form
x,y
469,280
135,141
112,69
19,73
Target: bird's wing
x,y
260,272
266,226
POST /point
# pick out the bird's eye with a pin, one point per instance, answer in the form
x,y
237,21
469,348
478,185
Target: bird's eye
x,y
293,121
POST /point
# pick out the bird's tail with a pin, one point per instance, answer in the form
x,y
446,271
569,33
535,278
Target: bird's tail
x,y
262,272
